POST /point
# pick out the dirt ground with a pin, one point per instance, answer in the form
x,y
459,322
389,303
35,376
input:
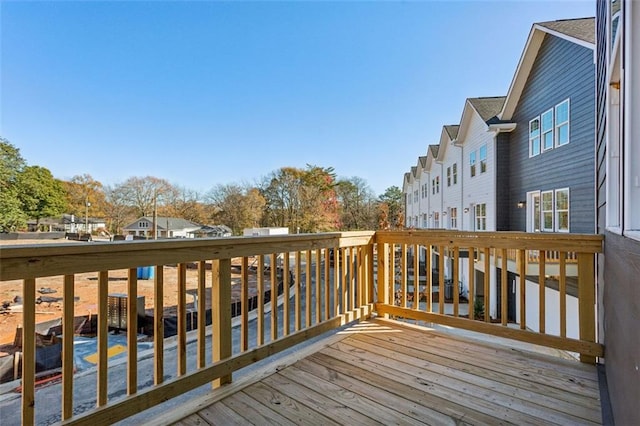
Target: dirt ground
x,y
85,293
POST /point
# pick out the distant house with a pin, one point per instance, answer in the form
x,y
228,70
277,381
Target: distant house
x,y
209,231
67,223
255,232
168,227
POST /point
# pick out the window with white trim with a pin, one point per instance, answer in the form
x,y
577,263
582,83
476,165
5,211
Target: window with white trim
x,y
562,210
454,169
562,123
425,220
454,217
483,158
408,198
436,219
472,163
547,211
534,137
481,217
547,130
415,196
424,190
449,176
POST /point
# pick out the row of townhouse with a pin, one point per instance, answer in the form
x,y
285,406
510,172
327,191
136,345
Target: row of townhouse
x,y
520,162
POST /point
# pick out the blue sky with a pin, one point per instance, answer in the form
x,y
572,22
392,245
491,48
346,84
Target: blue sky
x,y
205,93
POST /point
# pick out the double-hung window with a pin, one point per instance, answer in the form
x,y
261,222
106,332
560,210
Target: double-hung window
x,y
415,196
562,210
547,211
562,123
534,137
437,184
483,158
454,217
436,219
472,163
455,173
481,217
547,130
449,176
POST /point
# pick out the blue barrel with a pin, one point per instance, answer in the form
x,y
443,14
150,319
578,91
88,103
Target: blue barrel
x,y
145,272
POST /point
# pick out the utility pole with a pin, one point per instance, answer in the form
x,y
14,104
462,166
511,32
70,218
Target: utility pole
x,y
155,214
86,213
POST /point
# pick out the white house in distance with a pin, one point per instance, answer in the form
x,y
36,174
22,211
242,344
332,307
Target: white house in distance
x,y
260,232
168,227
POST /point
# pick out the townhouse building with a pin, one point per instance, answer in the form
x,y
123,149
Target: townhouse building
x,y
521,162
618,201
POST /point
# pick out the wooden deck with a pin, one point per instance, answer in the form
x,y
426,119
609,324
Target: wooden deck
x,y
380,372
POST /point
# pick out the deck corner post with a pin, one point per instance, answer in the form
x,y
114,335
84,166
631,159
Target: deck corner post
x,y
586,301
221,304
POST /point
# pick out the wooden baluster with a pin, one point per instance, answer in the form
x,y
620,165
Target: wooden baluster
x,y
369,279
504,287
336,282
352,279
441,280
542,285
286,305
298,296
67,346
471,271
132,331
158,320
327,285
456,279
28,350
103,338
202,318
586,301
244,304
182,319
487,288
345,280
221,301
429,278
392,274
403,275
318,288
307,293
522,271
562,290
383,276
416,277
274,297
260,296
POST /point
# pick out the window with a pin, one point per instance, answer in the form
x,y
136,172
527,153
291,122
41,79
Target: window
x,y
409,219
454,218
424,190
436,219
455,173
562,123
425,221
534,137
535,212
562,210
481,217
472,163
433,186
437,184
547,130
547,211
448,176
143,224
415,196
483,158
408,198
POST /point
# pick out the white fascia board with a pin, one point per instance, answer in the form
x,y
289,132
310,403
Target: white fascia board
x,y
502,127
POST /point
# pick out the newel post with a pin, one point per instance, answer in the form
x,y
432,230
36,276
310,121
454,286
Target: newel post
x,y
586,301
221,309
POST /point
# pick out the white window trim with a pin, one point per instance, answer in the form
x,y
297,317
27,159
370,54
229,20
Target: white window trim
x,y
531,154
557,125
473,161
555,210
480,160
542,211
552,130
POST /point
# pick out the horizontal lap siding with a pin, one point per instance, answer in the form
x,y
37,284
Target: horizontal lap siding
x,y
562,70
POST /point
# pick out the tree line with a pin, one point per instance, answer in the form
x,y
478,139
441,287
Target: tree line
x,y
309,199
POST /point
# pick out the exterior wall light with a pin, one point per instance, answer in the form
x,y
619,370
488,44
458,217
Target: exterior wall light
x,y
521,204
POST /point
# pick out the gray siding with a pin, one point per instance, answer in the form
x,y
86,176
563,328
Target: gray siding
x,y
562,70
503,201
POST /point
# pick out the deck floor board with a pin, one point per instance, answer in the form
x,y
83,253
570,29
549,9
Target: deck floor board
x,y
382,372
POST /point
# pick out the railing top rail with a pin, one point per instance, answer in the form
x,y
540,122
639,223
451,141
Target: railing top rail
x,y
583,243
32,261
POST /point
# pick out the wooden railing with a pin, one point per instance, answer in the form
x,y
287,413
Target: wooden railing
x,y
326,280
330,283
412,297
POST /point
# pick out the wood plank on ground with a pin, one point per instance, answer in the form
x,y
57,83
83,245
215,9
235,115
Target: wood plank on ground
x,y
472,386
192,420
255,412
220,414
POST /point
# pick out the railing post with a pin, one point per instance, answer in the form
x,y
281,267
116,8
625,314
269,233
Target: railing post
x,y
67,347
221,304
383,276
586,301
28,350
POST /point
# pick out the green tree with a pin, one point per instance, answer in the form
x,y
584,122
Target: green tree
x,y
237,206
357,204
391,203
11,166
40,194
